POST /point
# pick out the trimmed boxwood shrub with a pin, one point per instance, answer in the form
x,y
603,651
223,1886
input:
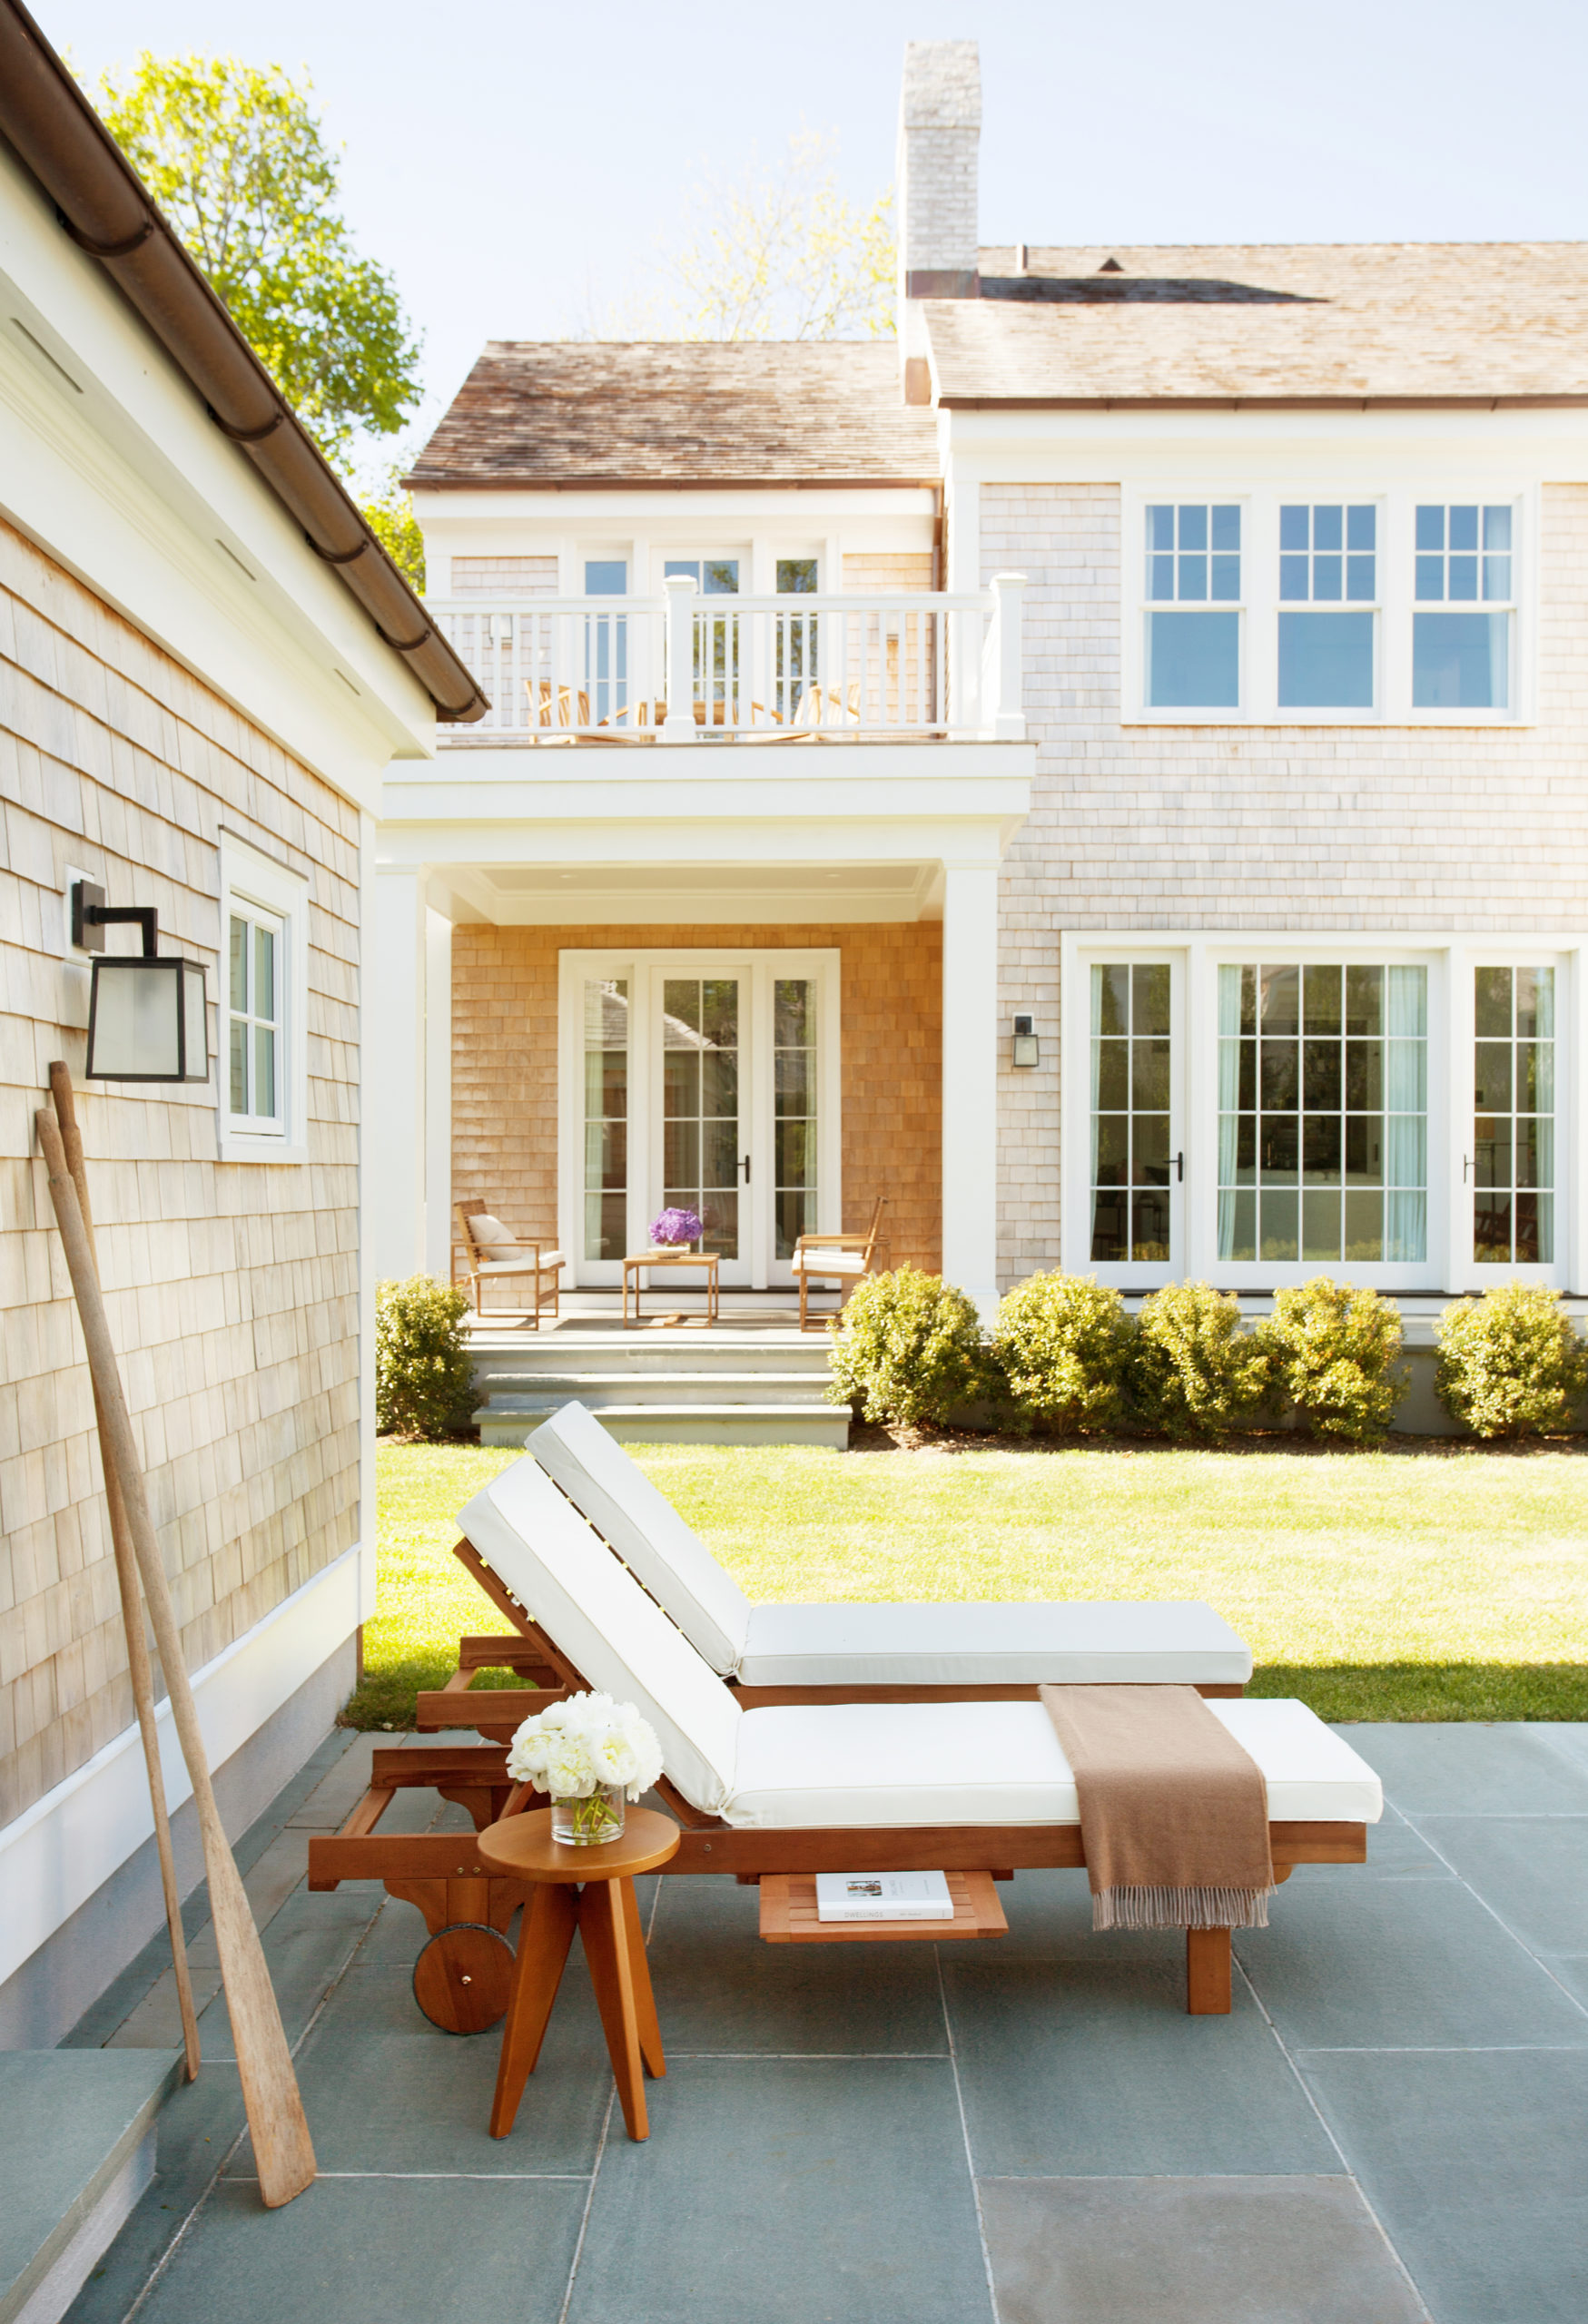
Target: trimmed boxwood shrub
x,y
424,1371
1194,1370
1333,1348
1063,1343
1510,1364
908,1349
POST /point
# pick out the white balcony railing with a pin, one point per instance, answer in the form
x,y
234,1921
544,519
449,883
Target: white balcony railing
x,y
681,668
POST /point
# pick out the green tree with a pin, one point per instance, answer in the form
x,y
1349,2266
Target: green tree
x,y
387,510
236,158
776,254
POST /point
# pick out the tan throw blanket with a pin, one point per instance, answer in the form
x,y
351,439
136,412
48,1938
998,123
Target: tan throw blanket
x,y
1174,1815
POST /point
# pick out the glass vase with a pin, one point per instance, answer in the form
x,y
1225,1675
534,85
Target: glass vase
x,y
589,1821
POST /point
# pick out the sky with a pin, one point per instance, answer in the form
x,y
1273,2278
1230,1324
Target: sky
x,y
515,165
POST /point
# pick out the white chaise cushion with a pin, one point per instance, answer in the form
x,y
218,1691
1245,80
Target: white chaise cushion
x,y
647,1533
976,1644
876,1765
591,1606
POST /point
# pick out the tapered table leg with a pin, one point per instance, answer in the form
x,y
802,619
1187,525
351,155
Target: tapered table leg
x,y
606,1939
550,1918
1207,1972
644,2001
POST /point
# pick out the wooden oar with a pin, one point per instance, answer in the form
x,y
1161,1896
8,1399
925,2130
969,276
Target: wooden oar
x,y
138,1664
282,2147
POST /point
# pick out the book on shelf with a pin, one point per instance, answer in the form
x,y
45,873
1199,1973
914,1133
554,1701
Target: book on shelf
x,y
882,1896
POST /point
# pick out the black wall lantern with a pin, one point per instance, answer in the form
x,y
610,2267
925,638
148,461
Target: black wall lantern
x,y
1027,1049
147,1019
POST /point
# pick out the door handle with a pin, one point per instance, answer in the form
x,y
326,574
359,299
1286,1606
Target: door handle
x,y
744,1166
1180,1169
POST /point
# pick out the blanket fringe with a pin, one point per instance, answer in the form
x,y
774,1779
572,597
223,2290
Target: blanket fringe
x,y
1180,1908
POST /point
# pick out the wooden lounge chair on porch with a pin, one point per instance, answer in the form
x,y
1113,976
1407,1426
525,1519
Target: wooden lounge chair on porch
x,y
492,1253
820,1787
843,1260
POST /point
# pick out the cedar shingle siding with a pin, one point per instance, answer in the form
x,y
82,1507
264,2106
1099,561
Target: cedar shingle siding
x,y
233,1288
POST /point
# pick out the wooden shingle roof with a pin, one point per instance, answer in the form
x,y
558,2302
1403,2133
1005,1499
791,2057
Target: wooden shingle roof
x,y
1325,324
702,413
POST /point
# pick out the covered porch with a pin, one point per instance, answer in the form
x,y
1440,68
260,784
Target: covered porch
x,y
770,999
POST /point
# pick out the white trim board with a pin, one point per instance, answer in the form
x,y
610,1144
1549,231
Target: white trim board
x,y
67,1845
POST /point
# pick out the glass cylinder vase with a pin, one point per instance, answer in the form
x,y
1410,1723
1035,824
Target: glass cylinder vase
x,y
589,1821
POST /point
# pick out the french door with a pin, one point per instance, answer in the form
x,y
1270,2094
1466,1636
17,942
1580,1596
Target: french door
x,y
699,1081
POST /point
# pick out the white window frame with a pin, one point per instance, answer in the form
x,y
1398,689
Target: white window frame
x,y
1564,1270
252,881
646,968
1450,960
1079,955
1394,608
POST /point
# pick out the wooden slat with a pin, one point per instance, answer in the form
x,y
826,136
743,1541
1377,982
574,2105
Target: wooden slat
x,y
789,1915
491,1710
366,1813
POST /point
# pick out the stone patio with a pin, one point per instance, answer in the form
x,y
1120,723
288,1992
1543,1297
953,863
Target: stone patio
x,y
1392,2124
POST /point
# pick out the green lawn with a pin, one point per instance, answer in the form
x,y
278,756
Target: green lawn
x,y
1439,1583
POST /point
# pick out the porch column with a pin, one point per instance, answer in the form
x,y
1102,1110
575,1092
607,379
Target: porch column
x,y
438,1095
970,1082
394,1079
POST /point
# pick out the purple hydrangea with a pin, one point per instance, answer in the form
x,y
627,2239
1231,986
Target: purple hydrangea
x,y
676,1226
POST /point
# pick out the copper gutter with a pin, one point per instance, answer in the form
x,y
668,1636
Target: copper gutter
x,y
103,206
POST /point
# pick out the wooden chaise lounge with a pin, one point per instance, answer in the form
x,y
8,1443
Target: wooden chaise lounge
x,y
803,1787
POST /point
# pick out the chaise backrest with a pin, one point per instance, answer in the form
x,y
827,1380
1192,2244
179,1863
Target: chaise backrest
x,y
646,1532
569,1582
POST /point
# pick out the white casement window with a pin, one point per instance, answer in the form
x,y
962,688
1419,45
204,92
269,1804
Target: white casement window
x,y
1516,1096
1323,608
1253,1111
263,990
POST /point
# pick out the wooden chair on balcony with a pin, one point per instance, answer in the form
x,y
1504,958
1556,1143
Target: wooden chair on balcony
x,y
841,1259
491,1251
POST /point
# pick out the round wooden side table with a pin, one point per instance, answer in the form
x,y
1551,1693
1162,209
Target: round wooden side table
x,y
590,1890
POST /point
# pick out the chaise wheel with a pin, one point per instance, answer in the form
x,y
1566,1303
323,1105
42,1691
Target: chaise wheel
x,y
463,1978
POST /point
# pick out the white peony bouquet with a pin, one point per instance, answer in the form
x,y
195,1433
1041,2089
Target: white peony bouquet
x,y
576,1747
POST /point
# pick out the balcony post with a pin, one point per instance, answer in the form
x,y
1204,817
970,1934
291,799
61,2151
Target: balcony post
x,y
679,725
970,1082
1007,707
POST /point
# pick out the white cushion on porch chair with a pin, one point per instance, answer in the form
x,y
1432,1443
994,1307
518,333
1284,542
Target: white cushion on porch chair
x,y
839,1765
828,1262
936,1644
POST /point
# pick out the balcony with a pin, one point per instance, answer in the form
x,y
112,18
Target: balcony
x,y
921,666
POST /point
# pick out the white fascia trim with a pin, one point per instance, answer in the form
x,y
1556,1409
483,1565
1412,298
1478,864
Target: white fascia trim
x,y
68,1844
813,840
117,472
259,879
1073,446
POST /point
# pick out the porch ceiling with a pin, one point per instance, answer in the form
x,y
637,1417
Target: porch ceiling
x,y
630,894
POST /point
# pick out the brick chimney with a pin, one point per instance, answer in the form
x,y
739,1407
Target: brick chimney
x,y
939,129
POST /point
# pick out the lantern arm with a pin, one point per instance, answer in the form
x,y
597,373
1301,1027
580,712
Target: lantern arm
x,y
144,916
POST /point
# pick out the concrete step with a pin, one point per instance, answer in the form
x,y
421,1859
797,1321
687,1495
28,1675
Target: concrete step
x,y
77,2153
687,1423
563,1354
547,1389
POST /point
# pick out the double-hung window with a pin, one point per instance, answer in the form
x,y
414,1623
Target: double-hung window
x,y
1313,606
1192,617
1461,652
264,957
1328,565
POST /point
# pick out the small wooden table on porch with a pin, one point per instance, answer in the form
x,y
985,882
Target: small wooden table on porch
x,y
640,1260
